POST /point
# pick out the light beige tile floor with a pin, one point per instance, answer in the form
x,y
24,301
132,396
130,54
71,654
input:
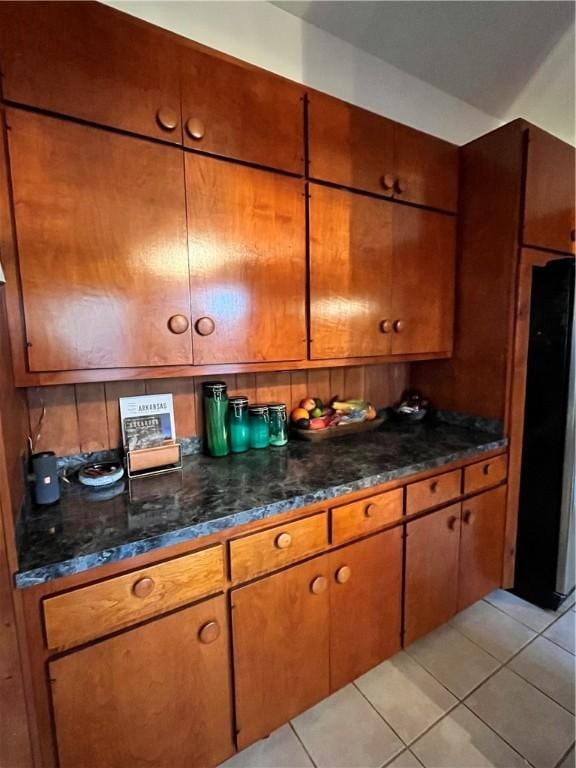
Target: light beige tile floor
x,y
493,689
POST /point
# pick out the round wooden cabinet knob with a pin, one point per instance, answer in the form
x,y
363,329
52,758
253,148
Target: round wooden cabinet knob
x,y
143,587
486,469
386,326
195,128
370,510
178,324
319,585
387,181
283,540
399,326
205,326
167,118
399,186
343,574
209,632
467,516
452,522
433,486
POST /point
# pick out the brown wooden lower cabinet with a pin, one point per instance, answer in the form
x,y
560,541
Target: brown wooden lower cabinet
x,y
156,695
481,546
453,558
431,588
281,647
313,628
365,605
297,634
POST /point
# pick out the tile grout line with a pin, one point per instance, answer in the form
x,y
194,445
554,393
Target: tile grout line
x,y
553,621
295,732
558,645
501,666
474,642
499,735
504,665
462,702
404,745
435,723
564,756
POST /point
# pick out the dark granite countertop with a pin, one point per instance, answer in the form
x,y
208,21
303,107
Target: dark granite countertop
x,y
86,529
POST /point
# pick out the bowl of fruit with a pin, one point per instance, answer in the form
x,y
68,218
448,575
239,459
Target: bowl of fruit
x,y
313,420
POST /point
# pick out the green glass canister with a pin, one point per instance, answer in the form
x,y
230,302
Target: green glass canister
x,y
259,419
215,400
278,424
238,428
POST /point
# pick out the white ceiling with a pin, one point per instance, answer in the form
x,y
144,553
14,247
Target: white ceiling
x,y
484,53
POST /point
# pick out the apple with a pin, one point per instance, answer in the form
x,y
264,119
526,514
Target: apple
x,y
308,404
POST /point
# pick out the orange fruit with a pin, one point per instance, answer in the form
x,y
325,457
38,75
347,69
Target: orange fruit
x,y
299,413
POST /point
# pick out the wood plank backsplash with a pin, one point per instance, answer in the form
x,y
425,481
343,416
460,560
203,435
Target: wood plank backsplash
x,y
81,418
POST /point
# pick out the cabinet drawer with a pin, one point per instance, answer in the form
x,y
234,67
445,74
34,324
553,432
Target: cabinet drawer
x,y
96,610
360,517
485,473
267,550
434,491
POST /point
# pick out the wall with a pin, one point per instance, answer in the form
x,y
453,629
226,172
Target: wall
x,y
267,36
548,98
84,417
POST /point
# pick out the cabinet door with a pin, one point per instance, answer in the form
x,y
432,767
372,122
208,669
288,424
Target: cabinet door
x,y
348,145
424,275
355,148
101,231
241,112
91,62
426,168
246,235
431,589
281,647
481,545
156,695
350,274
550,191
365,605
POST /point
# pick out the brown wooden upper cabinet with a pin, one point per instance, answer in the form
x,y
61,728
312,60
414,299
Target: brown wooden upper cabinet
x,y
358,149
381,277
550,204
101,234
248,262
93,63
240,112
424,275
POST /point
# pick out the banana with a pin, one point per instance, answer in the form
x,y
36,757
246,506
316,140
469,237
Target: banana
x,y
345,406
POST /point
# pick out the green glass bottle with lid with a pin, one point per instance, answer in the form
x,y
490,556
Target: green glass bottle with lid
x,y
278,424
238,427
215,401
259,419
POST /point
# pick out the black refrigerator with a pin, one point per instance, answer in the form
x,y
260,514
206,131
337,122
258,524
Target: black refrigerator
x,y
545,546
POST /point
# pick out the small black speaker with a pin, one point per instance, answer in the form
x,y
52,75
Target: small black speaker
x,y
46,481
